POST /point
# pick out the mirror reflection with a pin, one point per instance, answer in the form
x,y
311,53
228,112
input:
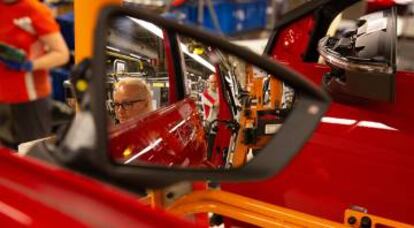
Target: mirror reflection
x,y
174,101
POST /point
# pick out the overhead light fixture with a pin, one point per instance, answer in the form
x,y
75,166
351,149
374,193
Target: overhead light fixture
x,y
149,26
158,32
198,58
136,56
113,49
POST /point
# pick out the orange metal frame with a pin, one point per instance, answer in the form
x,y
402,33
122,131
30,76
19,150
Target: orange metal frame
x,y
86,15
267,215
245,209
254,84
153,199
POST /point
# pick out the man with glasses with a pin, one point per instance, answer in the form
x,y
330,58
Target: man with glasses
x,y
132,97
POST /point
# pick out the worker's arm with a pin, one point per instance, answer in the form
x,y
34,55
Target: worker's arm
x,y
57,52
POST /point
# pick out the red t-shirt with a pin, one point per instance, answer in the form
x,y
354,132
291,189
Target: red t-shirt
x,y
21,26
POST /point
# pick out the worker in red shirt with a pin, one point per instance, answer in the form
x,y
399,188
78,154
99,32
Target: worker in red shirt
x,y
30,45
210,101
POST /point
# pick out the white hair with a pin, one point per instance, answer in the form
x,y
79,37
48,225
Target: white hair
x,y
138,84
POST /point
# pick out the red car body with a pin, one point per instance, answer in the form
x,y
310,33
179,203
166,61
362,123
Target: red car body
x,y
359,155
374,5
37,195
173,136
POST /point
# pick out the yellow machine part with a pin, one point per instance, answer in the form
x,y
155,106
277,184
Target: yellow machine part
x,y
276,88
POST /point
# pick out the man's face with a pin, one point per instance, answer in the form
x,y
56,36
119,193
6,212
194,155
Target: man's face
x,y
130,102
212,83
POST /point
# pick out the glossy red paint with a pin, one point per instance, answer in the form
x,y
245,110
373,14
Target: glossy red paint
x,y
177,3
34,194
293,40
375,5
169,136
361,154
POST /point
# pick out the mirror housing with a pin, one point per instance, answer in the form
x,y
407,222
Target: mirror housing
x,y
363,61
296,130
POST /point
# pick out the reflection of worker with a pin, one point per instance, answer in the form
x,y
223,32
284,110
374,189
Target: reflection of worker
x,y
132,97
209,100
30,44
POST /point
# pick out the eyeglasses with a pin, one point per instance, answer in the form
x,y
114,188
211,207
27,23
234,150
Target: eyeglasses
x,y
127,104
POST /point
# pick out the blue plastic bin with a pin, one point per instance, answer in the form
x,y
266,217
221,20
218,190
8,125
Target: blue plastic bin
x,y
255,14
183,13
234,16
226,16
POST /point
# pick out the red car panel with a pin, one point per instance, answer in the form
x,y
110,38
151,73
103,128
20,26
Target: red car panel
x,y
374,5
169,136
293,40
37,195
361,154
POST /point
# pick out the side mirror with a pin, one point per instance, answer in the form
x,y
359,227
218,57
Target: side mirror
x,y
363,61
169,143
